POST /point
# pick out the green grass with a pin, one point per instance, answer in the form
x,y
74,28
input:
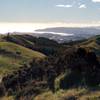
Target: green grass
x,y
25,52
8,64
10,60
7,98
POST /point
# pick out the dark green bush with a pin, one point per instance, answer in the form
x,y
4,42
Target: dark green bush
x,y
73,79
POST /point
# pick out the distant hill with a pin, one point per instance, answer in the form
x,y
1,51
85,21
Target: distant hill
x,y
41,44
30,40
63,34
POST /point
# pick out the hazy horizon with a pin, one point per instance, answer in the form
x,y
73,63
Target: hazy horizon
x,y
31,27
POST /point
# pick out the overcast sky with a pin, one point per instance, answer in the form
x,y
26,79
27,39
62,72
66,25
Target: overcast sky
x,y
50,11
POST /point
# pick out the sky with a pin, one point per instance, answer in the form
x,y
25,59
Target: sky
x,y
41,11
29,15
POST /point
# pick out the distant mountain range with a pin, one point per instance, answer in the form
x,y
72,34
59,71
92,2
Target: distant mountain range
x,y
63,34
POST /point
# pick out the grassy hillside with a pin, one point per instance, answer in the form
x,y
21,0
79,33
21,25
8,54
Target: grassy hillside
x,y
13,56
16,50
20,39
41,44
92,44
75,93
29,40
70,72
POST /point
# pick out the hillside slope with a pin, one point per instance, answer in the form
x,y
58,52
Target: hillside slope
x,y
72,71
92,44
83,91
13,56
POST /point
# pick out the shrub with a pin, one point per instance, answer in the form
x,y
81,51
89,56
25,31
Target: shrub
x,y
73,79
84,69
18,52
2,90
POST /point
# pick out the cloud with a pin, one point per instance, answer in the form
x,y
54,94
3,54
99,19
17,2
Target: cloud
x,y
96,1
82,6
64,6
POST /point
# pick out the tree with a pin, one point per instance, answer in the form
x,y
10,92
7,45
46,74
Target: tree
x,y
8,36
51,75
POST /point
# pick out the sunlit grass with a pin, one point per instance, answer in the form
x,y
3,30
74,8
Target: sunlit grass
x,y
80,93
9,62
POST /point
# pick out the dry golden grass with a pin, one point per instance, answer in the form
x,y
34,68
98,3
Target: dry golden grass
x,y
80,94
7,98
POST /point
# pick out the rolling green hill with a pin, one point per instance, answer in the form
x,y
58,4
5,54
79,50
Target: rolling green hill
x,y
16,50
30,41
13,56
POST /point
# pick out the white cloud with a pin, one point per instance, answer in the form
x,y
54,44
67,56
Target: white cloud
x,y
82,6
64,6
95,0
